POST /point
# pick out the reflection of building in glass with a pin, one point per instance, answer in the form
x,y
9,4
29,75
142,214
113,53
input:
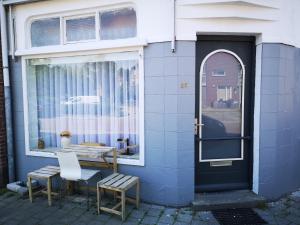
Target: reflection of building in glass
x,y
221,81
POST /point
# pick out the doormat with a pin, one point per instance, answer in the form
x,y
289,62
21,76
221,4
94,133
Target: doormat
x,y
243,216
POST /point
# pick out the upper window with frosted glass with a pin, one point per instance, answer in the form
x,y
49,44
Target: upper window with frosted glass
x,y
45,32
118,24
80,29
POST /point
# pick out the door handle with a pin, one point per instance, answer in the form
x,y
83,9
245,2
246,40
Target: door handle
x,y
196,125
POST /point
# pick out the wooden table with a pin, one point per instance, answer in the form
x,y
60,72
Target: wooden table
x,y
95,156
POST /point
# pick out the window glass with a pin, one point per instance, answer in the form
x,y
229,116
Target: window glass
x,y
118,24
218,72
80,29
45,32
222,106
95,98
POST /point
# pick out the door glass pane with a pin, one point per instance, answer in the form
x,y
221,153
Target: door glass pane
x,y
221,106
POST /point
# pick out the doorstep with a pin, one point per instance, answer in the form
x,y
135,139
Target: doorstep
x,y
228,199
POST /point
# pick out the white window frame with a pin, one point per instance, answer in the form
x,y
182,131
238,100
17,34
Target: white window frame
x,y
75,14
140,50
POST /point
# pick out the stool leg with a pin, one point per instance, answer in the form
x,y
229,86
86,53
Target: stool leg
x,y
88,195
49,191
137,198
29,188
98,199
123,200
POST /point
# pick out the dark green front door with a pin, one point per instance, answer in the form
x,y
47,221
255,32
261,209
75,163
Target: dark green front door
x,y
224,112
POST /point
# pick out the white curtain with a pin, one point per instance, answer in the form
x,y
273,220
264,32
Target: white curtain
x,y
95,101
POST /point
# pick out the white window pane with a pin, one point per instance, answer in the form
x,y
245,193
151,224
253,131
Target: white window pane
x,y
45,32
81,29
118,24
95,98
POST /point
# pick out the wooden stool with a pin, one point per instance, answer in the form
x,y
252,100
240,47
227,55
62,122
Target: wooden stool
x,y
118,183
45,173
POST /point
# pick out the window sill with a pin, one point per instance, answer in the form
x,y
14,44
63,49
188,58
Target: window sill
x,y
50,153
105,45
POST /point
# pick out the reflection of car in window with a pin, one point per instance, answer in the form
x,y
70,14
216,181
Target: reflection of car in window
x,y
94,99
213,127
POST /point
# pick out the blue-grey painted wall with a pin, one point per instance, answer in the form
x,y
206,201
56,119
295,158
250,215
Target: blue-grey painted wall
x,y
168,175
279,171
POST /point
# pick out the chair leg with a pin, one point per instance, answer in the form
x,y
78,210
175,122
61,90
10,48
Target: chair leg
x,y
30,189
49,191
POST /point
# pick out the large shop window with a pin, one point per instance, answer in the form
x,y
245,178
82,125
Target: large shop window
x,y
95,98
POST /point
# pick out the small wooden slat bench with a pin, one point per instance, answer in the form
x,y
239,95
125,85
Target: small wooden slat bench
x,y
118,183
45,173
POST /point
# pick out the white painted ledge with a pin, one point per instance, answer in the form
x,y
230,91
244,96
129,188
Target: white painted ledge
x,y
105,45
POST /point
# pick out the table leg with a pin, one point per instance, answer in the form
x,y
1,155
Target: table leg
x,y
49,191
115,161
29,188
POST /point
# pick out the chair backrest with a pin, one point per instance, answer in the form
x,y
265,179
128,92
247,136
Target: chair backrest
x,y
69,166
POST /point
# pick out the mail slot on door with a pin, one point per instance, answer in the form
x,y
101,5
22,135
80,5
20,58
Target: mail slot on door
x,y
221,163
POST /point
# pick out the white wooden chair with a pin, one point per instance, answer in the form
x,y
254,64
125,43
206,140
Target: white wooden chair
x,y
70,170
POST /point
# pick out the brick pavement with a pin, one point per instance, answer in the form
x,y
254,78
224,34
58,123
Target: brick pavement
x,y
19,211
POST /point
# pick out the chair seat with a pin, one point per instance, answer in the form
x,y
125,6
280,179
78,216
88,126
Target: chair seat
x,y
87,174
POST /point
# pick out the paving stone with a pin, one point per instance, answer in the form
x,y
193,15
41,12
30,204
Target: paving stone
x,y
205,216
167,219
281,221
180,223
187,218
149,220
12,222
131,222
31,221
170,211
17,211
104,217
95,222
157,207
199,222
293,218
114,221
138,214
154,212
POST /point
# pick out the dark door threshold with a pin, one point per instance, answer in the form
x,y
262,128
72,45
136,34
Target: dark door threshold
x,y
227,200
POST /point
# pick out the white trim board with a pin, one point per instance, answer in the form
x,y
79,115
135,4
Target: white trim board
x,y
256,136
